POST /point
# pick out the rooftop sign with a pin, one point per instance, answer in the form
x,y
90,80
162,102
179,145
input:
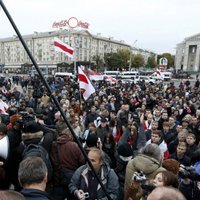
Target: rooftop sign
x,y
72,22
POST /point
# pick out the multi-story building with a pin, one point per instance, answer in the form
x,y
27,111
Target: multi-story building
x,y
145,53
188,54
87,46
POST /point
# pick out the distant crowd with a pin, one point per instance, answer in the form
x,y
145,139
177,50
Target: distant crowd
x,y
143,140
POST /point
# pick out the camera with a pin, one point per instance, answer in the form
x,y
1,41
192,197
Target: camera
x,y
26,117
189,172
86,194
146,186
139,176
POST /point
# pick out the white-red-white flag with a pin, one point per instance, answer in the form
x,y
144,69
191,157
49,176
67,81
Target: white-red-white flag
x,y
85,84
110,79
159,73
96,76
60,46
3,107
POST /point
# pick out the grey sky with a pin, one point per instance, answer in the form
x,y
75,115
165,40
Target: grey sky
x,y
157,25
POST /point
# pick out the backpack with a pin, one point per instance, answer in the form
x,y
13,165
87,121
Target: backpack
x,y
38,151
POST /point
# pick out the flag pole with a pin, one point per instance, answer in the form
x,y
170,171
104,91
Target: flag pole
x,y
75,65
52,96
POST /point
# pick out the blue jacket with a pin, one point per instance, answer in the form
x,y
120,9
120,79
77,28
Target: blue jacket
x,y
108,177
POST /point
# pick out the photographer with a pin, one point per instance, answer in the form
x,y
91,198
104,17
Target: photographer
x,y
190,178
84,184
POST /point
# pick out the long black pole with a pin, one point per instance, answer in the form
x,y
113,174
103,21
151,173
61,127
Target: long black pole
x,y
50,92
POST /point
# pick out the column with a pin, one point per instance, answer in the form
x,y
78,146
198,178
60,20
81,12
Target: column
x,y
186,53
196,65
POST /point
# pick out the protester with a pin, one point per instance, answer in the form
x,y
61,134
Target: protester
x,y
112,110
83,181
149,161
10,195
166,193
33,178
65,154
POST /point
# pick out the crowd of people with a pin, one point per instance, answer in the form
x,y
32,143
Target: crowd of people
x,y
143,140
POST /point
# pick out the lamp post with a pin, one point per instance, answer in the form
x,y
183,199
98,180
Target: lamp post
x,y
130,61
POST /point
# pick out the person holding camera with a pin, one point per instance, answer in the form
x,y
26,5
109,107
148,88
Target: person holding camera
x,y
190,178
84,184
149,161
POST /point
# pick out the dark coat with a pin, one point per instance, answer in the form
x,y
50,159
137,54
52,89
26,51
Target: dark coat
x,y
184,161
70,156
33,194
190,191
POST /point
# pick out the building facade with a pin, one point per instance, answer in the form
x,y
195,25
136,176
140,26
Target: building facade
x,y
188,54
145,53
87,46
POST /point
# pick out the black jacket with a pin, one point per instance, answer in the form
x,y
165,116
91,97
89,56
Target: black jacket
x,y
32,194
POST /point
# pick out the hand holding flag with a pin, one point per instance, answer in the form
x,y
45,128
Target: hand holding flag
x,y
85,84
62,47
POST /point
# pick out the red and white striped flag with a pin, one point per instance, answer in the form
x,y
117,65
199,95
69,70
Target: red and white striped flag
x,y
3,107
110,79
159,73
85,84
62,47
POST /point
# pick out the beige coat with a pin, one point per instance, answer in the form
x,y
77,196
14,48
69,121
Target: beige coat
x,y
150,167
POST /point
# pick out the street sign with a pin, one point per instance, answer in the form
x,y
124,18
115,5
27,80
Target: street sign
x,y
163,62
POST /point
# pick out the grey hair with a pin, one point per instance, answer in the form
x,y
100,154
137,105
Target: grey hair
x,y
152,150
32,170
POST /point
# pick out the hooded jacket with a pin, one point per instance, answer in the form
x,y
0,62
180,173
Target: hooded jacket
x,y
70,155
150,167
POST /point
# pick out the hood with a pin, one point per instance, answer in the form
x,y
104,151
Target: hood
x,y
62,139
146,164
29,136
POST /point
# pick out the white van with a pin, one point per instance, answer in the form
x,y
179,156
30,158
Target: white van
x,y
113,74
130,75
64,75
166,76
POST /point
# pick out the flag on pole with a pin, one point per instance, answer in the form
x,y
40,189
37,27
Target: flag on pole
x,y
62,47
85,84
159,73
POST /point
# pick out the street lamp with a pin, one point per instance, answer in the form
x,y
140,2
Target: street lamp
x,y
130,61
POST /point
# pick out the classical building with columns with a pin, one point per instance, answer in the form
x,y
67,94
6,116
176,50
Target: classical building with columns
x,y
188,54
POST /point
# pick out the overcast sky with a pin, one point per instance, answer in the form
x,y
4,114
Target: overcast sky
x,y
156,25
